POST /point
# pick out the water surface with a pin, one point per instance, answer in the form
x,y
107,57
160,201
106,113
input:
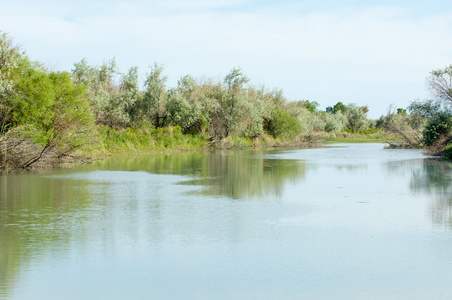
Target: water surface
x,y
348,221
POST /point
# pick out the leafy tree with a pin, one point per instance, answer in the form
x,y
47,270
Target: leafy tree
x,y
215,114
333,122
401,111
71,120
9,58
438,120
408,126
438,129
122,100
103,94
189,106
440,83
308,122
70,101
234,81
254,109
437,112
112,104
311,105
32,96
180,111
153,103
183,106
283,125
340,107
357,119
426,108
51,117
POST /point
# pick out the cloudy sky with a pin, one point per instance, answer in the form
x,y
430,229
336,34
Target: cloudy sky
x,y
374,53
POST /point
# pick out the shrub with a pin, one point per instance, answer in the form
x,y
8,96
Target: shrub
x,y
439,126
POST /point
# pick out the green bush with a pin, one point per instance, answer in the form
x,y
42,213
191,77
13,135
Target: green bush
x,y
333,122
283,125
438,126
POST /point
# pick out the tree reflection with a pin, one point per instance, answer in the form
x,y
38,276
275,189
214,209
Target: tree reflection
x,y
33,214
435,178
235,174
44,214
242,176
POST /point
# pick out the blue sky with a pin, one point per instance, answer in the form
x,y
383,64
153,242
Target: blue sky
x,y
374,53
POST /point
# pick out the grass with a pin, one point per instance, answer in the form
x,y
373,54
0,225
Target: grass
x,y
113,141
372,135
142,140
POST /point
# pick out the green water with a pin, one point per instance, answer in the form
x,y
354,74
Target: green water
x,y
351,221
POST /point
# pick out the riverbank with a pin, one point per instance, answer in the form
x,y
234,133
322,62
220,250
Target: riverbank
x,y
372,135
135,141
107,141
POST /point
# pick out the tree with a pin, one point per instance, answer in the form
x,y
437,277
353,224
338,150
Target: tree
x,y
333,122
214,110
311,105
153,103
401,111
33,96
51,119
340,107
234,81
440,83
438,129
42,114
282,124
187,106
112,104
102,93
408,126
9,58
122,101
357,119
71,121
426,108
438,112
254,109
308,121
437,121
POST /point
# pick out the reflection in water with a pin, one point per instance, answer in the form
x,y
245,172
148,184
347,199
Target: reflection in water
x,y
435,178
42,214
343,217
34,216
235,174
242,176
431,177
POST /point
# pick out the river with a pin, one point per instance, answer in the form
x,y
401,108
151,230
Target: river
x,y
343,221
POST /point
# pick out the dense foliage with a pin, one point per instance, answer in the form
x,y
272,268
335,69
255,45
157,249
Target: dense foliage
x,y
42,114
217,109
427,123
48,115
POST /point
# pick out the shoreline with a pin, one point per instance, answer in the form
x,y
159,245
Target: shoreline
x,y
123,143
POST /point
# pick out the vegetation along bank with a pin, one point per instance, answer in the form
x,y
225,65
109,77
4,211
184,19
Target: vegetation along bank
x,y
49,118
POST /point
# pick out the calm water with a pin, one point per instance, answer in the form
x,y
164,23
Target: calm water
x,y
348,221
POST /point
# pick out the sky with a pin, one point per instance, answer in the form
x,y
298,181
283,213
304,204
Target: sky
x,y
374,53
